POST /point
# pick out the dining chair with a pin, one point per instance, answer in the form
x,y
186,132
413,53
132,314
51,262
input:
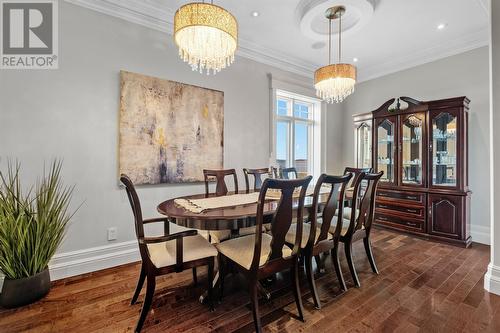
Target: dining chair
x,y
262,255
166,254
286,172
356,172
257,177
275,172
316,238
220,185
221,189
359,225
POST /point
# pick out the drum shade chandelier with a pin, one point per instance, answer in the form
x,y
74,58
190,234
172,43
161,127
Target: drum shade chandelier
x,y
334,82
207,36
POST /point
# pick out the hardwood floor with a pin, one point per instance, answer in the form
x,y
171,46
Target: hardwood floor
x,y
423,286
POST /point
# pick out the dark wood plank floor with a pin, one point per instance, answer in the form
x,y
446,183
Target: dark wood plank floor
x,y
423,286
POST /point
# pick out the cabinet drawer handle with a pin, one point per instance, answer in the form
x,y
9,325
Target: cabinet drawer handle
x,y
383,218
411,224
414,211
383,206
411,197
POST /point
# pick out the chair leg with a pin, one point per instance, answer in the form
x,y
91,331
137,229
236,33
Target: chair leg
x,y
210,284
350,263
195,277
338,268
369,253
222,275
140,283
310,279
296,290
150,289
319,264
254,298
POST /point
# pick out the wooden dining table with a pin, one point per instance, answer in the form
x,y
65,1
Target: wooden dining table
x,y
230,218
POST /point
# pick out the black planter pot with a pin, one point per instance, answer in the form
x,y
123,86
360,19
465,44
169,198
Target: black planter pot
x,y
24,291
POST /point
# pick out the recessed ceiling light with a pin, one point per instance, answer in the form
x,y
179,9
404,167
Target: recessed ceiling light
x,y
441,26
355,59
255,13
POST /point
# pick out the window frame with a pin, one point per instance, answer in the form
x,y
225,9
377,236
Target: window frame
x,y
314,129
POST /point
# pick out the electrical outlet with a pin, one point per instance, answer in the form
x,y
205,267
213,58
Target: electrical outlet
x,y
112,232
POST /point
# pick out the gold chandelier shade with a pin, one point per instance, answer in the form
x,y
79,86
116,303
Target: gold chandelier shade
x,y
207,36
335,82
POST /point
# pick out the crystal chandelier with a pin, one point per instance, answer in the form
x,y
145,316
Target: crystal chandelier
x,y
207,36
335,82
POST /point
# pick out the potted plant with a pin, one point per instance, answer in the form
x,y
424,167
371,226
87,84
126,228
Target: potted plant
x,y
32,226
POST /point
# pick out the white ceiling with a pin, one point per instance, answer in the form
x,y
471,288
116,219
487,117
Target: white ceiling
x,y
385,35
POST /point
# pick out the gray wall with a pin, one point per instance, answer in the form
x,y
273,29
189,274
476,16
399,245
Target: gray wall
x,y
72,113
463,74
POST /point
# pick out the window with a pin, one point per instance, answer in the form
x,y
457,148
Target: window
x,y
298,133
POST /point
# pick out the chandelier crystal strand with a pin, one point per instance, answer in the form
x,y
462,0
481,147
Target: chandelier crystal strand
x,y
207,36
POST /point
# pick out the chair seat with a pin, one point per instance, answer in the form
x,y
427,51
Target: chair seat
x,y
240,250
306,230
194,248
218,236
251,230
333,225
347,212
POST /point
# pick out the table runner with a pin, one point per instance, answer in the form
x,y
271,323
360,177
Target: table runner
x,y
203,204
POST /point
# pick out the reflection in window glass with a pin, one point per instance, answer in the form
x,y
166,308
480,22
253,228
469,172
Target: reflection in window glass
x,y
301,110
282,107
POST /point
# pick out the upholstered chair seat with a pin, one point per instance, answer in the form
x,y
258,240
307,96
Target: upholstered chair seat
x,y
241,250
306,231
333,225
195,247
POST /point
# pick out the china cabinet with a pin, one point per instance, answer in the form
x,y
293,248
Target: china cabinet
x,y
422,149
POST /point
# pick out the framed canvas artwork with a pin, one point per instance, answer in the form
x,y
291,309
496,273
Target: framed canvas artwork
x,y
169,131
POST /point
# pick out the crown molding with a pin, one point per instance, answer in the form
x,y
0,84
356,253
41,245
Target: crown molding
x,y
153,14
453,47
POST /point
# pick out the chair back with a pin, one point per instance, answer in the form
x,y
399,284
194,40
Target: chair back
x,y
356,172
287,172
333,204
138,219
275,173
257,177
282,218
133,198
363,217
220,175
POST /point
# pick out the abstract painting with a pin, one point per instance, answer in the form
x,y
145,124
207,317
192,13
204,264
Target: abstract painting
x,y
169,131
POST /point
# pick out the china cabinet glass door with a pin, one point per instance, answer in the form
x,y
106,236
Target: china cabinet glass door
x,y
444,149
412,157
364,142
385,149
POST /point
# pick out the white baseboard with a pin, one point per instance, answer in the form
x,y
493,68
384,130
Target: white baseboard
x,y
480,234
93,259
492,279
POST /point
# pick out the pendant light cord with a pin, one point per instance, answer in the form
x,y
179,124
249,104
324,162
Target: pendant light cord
x,y
329,41
340,37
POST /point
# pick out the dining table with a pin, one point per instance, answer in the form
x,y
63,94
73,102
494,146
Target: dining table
x,y
231,218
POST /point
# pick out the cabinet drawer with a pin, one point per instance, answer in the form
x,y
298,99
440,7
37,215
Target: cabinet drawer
x,y
387,207
414,198
400,222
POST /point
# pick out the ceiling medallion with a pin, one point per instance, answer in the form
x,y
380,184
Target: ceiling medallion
x,y
335,82
206,35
